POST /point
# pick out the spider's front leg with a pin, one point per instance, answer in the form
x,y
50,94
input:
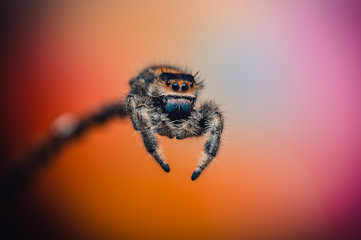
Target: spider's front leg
x,y
211,122
139,114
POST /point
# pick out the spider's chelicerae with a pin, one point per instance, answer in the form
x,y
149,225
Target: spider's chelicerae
x,y
161,101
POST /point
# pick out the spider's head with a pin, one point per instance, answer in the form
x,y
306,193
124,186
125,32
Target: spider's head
x,y
174,82
176,89
178,84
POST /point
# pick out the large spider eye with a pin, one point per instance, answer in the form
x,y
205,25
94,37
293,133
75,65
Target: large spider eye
x,y
184,87
167,83
175,87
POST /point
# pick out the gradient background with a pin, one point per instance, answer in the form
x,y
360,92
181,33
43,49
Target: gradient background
x,y
286,73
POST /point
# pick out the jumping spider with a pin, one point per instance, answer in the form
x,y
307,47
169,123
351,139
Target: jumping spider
x,y
161,100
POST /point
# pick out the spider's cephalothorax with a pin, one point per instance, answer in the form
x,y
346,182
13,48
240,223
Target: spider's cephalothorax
x,y
161,101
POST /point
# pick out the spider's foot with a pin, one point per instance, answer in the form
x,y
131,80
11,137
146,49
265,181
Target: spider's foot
x,y
196,174
165,166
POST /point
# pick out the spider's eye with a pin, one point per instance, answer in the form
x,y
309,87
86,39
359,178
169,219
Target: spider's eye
x,y
167,83
191,85
175,87
184,87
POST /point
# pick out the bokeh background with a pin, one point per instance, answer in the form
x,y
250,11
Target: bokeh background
x,y
286,73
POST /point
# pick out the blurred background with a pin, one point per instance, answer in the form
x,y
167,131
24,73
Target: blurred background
x,y
286,73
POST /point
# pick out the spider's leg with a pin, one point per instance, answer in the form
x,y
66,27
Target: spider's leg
x,y
142,122
212,125
65,130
